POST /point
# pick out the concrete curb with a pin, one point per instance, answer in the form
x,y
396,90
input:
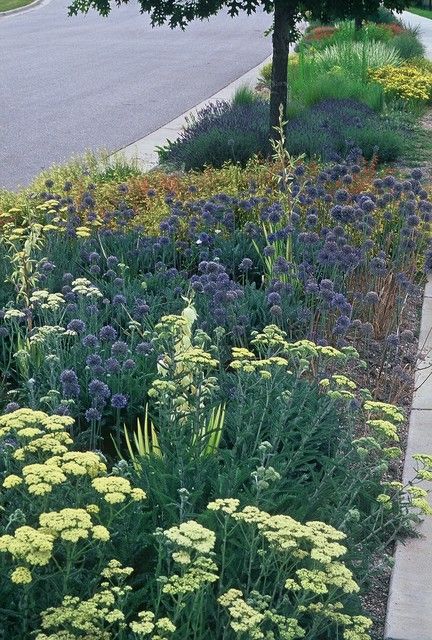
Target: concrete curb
x,y
410,597
27,7
143,151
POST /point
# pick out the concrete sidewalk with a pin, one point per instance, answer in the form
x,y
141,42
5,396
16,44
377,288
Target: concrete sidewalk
x,y
425,27
144,152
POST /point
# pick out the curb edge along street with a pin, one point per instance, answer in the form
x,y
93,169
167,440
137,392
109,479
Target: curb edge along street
x,y
27,7
144,152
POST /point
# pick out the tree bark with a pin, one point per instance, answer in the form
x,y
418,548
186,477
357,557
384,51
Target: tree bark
x,y
358,22
284,21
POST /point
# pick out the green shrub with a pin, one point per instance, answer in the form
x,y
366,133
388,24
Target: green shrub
x,y
408,45
220,132
265,75
384,16
333,126
244,95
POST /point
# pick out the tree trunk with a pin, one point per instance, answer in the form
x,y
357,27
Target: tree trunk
x,y
358,22
284,18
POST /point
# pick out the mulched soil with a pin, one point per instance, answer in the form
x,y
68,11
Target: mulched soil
x,y
394,384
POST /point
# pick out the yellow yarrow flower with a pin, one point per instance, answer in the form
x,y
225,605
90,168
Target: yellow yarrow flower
x,y
30,545
227,505
100,533
116,489
41,478
12,481
21,575
68,524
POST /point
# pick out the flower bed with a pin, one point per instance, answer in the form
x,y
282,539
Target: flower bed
x,y
380,66
201,431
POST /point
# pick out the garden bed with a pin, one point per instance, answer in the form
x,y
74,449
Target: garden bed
x,y
207,378
347,88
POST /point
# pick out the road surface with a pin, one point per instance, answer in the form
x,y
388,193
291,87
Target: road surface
x,y
69,84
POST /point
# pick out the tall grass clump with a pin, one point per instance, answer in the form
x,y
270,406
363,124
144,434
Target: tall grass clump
x,y
408,45
311,81
355,58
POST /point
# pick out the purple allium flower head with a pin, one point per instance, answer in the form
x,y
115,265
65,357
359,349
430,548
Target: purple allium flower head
x,y
311,287
95,270
93,415
90,341
62,410
93,360
413,221
99,390
11,407
119,401
274,298
268,251
119,348
276,310
417,174
92,309
392,340
112,365
141,309
367,329
76,325
144,348
69,381
326,284
245,265
93,257
119,299
341,195
108,333
47,266
112,262
378,266
282,265
71,307
129,364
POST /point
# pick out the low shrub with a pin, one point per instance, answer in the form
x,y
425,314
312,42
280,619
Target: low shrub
x,y
408,45
219,133
407,82
384,16
319,33
331,127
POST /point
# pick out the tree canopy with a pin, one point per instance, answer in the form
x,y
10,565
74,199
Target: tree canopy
x,y
286,16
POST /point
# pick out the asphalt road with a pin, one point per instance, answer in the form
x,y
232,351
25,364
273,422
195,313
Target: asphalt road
x,y
69,84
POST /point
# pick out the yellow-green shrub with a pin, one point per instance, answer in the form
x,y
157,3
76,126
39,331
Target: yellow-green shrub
x,y
406,81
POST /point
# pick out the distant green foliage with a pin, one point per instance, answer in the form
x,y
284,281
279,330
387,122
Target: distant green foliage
x,y
409,45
